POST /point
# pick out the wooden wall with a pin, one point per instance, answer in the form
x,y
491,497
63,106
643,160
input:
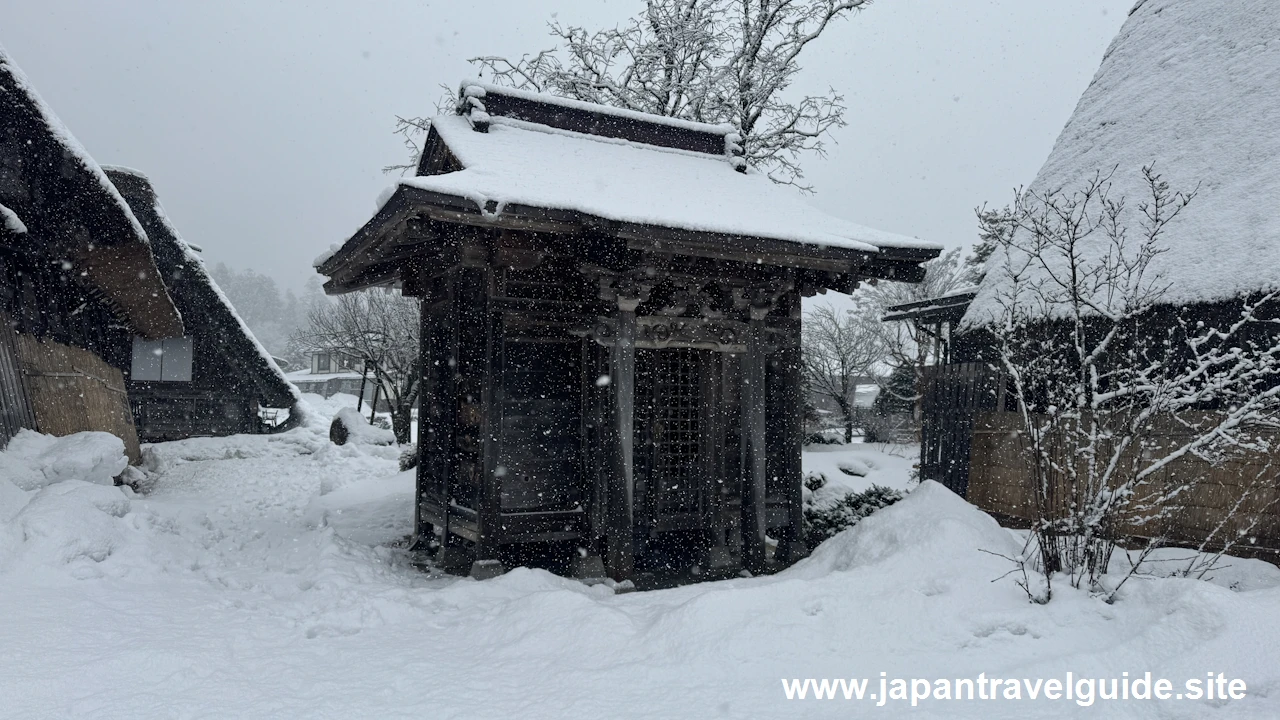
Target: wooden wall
x,y
999,483
72,390
15,408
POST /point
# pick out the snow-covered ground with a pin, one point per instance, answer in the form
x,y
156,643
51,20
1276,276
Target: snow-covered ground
x,y
259,576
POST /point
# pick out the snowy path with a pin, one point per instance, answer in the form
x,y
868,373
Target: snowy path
x,y
250,583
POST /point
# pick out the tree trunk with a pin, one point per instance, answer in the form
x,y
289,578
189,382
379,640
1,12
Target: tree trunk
x,y
847,408
401,421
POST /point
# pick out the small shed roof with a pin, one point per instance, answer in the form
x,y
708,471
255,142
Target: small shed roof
x,y
65,201
1192,86
514,157
206,309
944,308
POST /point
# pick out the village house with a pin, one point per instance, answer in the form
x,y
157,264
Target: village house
x,y
215,380
78,281
610,337
1191,92
329,373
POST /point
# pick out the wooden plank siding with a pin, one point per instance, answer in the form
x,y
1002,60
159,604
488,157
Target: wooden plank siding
x,y
15,407
952,396
999,483
73,390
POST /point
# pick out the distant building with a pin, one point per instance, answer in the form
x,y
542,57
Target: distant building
x,y
331,373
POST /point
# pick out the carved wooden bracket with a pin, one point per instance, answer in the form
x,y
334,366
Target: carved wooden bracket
x,y
655,332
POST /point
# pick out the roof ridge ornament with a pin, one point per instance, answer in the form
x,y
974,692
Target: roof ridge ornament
x,y
734,151
471,105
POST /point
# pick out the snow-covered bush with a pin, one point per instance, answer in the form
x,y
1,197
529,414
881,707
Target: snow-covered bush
x,y
350,426
825,521
409,457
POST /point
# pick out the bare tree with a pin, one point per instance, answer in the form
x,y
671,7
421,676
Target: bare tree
x,y
1115,386
909,344
382,329
995,226
715,61
838,348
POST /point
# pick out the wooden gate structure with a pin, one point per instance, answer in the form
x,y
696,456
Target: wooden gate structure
x,y
953,397
610,338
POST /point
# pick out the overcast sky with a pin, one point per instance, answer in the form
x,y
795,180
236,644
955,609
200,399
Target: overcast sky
x,y
264,125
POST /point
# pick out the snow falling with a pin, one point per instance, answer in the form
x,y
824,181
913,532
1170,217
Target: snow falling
x,y
597,410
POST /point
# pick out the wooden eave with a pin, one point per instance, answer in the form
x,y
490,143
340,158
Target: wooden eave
x,y
374,253
950,308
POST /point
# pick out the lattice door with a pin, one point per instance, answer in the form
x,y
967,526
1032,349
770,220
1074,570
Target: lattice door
x,y
670,430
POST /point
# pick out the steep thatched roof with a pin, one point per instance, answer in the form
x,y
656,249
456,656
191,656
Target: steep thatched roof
x,y
203,304
1193,87
67,205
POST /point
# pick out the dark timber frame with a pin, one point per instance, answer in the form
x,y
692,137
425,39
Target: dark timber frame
x,y
602,397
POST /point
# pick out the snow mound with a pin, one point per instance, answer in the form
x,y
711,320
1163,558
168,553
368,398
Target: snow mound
x,y
924,533
69,521
32,460
360,431
327,408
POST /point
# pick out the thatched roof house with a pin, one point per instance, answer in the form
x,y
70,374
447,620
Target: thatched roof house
x,y
232,375
77,278
1193,88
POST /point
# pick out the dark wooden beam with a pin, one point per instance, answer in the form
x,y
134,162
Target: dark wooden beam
x,y
491,405
791,543
620,551
755,462
604,122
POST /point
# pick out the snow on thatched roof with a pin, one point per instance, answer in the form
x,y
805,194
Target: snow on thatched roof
x,y
1192,86
24,93
206,308
12,223
66,204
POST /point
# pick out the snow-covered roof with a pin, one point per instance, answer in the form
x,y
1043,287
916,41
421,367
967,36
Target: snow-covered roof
x,y
72,212
518,162
1192,86
943,307
71,147
305,375
204,303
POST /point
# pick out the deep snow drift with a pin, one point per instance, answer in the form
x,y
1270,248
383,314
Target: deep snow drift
x,y
259,576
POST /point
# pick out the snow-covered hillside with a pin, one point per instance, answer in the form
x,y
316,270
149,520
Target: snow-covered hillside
x,y
259,576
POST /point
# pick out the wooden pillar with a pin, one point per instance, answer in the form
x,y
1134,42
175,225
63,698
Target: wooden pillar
x,y
438,410
620,550
421,529
791,546
489,512
754,468
714,421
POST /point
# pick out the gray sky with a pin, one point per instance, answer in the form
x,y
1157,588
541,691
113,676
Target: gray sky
x,y
264,125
